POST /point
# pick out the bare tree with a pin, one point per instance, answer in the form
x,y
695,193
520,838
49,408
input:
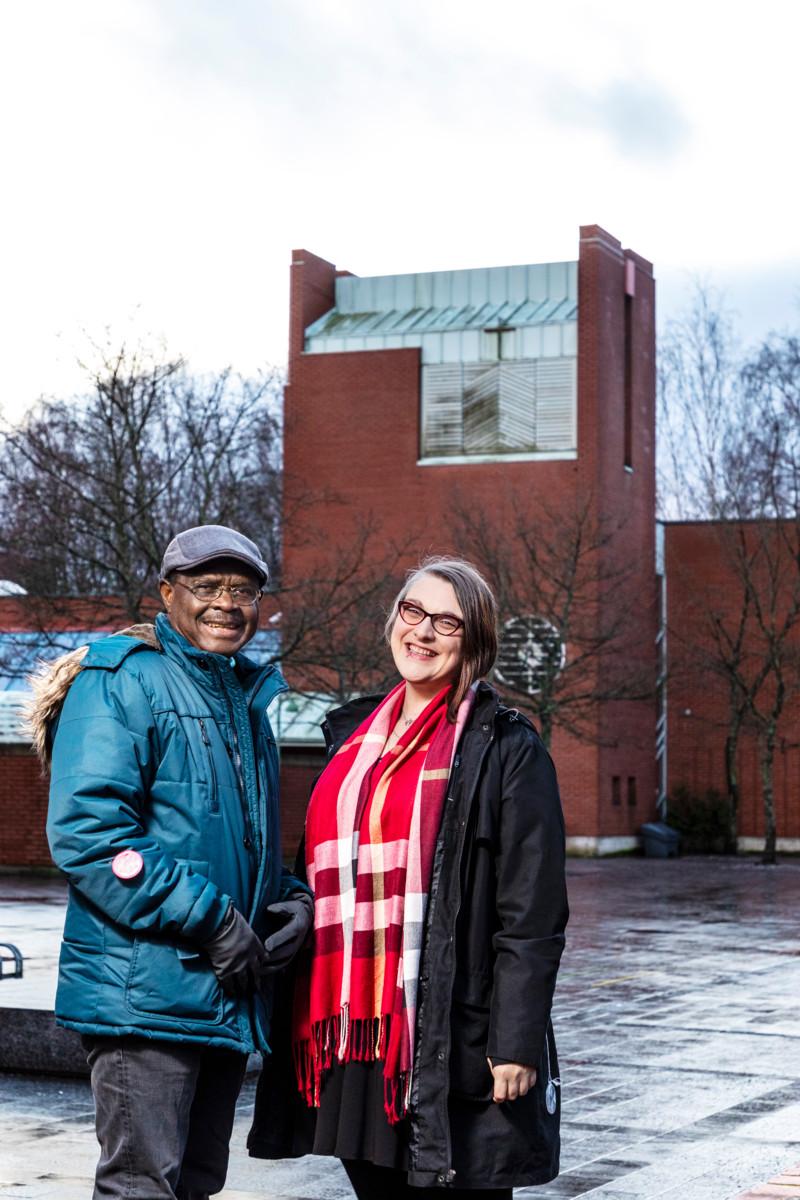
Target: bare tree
x,y
699,404
332,614
741,627
699,425
730,454
571,613
768,472
92,489
770,447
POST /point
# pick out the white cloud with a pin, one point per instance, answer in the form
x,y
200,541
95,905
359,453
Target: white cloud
x,y
643,122
166,156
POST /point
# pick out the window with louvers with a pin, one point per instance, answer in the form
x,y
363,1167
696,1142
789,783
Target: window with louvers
x,y
498,408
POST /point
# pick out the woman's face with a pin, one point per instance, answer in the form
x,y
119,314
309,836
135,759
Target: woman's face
x,y
426,659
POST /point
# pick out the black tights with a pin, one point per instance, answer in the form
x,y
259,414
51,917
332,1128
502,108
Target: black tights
x,y
384,1183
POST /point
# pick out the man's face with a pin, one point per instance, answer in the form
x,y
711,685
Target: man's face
x,y
222,626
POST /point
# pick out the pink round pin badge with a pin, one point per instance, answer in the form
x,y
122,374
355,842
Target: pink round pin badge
x,y
127,864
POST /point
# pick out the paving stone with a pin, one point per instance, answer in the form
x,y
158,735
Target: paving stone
x,y
677,1023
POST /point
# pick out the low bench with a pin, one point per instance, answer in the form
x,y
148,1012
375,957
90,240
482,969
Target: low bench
x,y
10,954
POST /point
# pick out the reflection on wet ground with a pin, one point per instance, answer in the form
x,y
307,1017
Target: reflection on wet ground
x,y
678,1023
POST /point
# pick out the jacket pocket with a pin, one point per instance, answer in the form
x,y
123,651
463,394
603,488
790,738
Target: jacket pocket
x,y
81,975
213,789
163,983
470,1074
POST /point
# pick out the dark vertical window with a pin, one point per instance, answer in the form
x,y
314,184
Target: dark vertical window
x,y
632,791
616,789
628,386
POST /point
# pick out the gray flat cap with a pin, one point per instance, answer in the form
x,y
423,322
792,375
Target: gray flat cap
x,y
196,546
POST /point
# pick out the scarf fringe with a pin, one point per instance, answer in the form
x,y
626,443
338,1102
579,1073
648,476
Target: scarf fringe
x,y
342,1039
396,1097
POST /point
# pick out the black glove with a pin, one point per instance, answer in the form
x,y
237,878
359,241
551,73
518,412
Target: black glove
x,y
297,915
237,955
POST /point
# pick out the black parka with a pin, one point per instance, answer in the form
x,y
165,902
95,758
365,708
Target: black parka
x,y
494,936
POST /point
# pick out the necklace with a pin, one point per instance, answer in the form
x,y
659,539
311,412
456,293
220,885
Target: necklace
x,y
396,733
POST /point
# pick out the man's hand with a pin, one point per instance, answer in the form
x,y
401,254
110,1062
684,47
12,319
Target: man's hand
x,y
511,1080
237,955
297,913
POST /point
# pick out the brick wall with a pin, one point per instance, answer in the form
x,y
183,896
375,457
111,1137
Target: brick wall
x,y
23,804
299,769
352,435
625,494
23,810
699,580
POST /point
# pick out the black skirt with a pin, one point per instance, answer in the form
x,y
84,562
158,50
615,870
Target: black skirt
x,y
351,1120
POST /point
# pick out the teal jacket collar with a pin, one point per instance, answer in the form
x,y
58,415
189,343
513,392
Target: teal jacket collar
x,y
252,677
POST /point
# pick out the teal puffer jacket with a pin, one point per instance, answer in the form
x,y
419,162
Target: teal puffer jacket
x,y
167,750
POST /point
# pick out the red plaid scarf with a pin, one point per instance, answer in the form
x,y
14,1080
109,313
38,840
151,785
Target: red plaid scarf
x,y
371,831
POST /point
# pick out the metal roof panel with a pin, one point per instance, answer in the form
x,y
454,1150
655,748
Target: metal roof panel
x,y
438,301
339,326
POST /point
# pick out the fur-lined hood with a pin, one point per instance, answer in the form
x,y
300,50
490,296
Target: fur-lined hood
x,y
50,683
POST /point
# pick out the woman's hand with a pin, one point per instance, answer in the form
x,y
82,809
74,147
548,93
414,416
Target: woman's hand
x,y
511,1080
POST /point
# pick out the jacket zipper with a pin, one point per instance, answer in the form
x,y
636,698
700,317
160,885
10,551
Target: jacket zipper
x,y
262,769
448,1175
213,805
237,764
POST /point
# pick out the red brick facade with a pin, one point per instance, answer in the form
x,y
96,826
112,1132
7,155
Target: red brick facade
x,y
700,581
23,805
352,431
23,810
352,438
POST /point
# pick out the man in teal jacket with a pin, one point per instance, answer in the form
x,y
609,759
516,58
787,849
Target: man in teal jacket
x,y
164,818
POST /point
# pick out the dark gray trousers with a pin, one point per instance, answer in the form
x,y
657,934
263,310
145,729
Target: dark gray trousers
x,y
164,1114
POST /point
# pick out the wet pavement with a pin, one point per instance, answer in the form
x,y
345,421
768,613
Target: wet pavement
x,y
678,1023
32,917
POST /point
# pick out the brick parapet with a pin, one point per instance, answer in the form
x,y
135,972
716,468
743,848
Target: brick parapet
x,y
312,293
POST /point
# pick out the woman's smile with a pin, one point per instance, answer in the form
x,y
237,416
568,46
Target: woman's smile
x,y
419,651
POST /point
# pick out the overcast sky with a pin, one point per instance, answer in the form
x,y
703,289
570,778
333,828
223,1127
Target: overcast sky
x,y
161,158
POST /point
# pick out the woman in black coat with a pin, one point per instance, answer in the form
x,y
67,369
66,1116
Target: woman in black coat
x,y
420,1028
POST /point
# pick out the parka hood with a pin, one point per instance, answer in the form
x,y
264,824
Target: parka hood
x,y
51,681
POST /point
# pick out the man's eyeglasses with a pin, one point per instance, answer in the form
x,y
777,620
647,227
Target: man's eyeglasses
x,y
444,623
241,595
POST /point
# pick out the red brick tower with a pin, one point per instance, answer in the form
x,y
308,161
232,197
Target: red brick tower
x,y
409,394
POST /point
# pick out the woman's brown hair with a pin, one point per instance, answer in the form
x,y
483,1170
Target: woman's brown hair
x,y
479,608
